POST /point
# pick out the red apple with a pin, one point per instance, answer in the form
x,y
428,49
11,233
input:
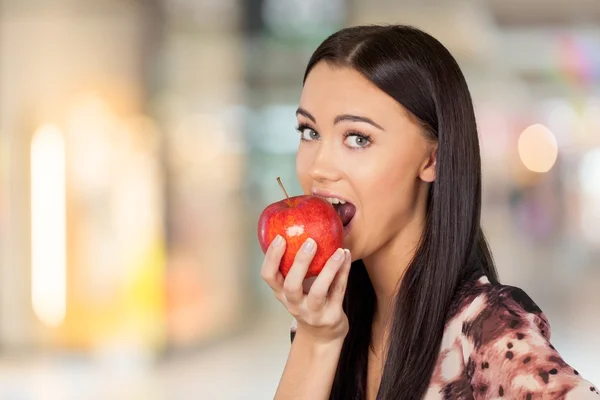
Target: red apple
x,y
297,219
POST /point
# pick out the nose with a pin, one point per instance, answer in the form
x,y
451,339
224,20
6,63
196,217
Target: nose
x,y
324,166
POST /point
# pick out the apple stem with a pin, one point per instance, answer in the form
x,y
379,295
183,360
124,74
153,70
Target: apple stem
x,y
284,191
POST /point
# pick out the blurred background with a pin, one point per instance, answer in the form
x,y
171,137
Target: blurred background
x,y
140,140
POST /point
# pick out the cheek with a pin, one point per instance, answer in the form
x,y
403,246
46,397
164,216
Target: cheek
x,y
385,173
388,185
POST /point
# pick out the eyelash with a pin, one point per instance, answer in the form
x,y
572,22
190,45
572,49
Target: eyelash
x,y
302,127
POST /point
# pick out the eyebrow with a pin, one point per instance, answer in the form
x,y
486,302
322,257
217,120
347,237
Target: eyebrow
x,y
339,118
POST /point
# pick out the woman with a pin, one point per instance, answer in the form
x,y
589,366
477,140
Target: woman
x,y
415,310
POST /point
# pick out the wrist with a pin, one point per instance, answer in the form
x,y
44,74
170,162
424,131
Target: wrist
x,y
318,342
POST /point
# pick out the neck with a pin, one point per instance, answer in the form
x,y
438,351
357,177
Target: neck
x,y
387,266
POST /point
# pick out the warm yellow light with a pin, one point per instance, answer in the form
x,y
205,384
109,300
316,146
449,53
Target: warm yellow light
x,y
48,225
538,148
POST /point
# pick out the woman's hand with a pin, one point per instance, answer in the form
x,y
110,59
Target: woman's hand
x,y
319,312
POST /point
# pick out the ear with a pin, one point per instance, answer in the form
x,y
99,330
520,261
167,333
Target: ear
x,y
427,171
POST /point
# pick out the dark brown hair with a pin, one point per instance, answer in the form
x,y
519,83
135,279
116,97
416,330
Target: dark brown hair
x,y
419,73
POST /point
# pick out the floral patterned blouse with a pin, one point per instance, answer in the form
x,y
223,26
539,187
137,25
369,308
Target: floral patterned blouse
x,y
496,344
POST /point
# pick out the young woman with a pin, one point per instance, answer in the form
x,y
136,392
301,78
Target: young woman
x,y
412,308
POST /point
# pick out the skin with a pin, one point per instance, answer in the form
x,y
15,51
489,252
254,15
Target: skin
x,y
389,189
387,177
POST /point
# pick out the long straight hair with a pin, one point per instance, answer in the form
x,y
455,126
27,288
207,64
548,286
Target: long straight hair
x,y
419,73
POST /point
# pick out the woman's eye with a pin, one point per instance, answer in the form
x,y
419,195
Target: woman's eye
x,y
357,141
309,134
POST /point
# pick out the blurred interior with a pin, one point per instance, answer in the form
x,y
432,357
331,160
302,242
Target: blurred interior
x,y
140,140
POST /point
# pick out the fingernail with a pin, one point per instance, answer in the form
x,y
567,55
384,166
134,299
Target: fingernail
x,y
338,255
278,241
308,245
347,255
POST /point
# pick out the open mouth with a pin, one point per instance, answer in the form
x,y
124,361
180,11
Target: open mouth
x,y
345,209
346,212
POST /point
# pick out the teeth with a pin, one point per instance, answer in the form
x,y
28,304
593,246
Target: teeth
x,y
334,200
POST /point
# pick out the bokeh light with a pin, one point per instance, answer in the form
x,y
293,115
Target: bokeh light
x,y
589,173
589,181
48,225
538,148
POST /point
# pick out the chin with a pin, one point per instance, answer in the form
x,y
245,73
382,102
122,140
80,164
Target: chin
x,y
355,253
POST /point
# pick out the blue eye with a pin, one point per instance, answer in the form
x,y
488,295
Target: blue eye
x,y
357,141
308,134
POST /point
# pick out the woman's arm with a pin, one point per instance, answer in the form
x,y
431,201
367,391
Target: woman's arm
x,y
322,323
310,368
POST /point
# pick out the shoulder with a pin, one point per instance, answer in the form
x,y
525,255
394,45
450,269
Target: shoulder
x,y
488,311
501,339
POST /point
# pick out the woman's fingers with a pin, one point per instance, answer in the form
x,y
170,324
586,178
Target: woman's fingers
x,y
292,286
317,305
317,296
337,289
270,268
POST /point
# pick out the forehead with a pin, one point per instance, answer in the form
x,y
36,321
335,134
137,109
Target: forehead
x,y
332,90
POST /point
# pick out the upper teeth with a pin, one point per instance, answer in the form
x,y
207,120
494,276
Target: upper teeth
x,y
334,200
